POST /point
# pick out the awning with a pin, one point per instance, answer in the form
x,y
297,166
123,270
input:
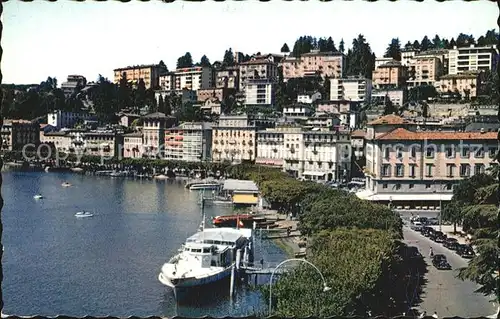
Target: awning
x,y
403,197
311,173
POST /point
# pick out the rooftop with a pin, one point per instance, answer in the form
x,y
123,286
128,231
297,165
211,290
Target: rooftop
x,y
390,119
133,134
218,234
358,133
240,185
406,135
141,66
464,75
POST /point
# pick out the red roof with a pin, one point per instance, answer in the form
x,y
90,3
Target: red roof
x,y
405,135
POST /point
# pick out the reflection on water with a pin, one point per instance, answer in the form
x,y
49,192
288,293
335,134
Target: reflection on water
x,y
107,265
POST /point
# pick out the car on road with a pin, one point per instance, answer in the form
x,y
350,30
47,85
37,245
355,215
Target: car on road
x,y
426,231
451,243
416,225
440,262
465,251
437,236
433,221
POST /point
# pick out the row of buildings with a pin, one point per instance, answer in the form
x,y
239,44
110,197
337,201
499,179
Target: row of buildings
x,y
454,70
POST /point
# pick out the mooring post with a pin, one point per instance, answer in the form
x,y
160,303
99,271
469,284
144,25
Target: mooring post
x,y
231,286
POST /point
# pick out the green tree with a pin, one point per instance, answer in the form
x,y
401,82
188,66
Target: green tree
x,y
425,44
161,104
228,59
204,61
408,46
341,46
185,61
416,45
360,59
330,45
140,95
437,43
389,107
285,48
394,50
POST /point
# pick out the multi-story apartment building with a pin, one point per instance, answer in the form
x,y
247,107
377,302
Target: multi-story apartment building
x,y
62,119
194,78
308,154
60,140
346,111
153,131
472,59
18,133
228,77
233,138
315,63
218,93
441,54
258,68
425,70
189,142
389,75
465,83
382,61
396,96
260,92
357,89
132,145
407,56
72,83
414,168
103,143
298,110
149,73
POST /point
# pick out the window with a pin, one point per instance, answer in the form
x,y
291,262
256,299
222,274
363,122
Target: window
x,y
400,169
386,170
465,152
449,170
429,152
386,153
492,152
384,185
427,185
399,153
450,152
428,170
449,186
479,153
478,169
413,170
398,186
464,170
413,152
411,186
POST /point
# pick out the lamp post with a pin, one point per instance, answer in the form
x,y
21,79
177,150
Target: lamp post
x,y
325,286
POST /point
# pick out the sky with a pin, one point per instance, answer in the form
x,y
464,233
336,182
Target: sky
x,y
42,38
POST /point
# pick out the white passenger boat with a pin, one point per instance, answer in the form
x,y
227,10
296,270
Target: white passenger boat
x,y
38,196
207,257
65,184
83,214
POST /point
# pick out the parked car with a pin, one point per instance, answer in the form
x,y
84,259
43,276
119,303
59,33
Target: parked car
x,y
416,225
451,243
465,251
427,231
440,262
438,236
433,221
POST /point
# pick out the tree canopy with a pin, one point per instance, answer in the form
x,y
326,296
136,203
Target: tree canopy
x,y
185,61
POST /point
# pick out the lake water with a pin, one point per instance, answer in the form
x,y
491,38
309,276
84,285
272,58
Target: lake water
x,y
56,264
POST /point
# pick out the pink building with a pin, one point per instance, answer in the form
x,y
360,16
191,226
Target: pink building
x,y
315,63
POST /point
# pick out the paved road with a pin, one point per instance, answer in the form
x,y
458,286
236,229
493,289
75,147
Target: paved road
x,y
444,293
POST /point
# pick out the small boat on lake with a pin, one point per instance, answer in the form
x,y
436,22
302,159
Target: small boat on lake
x,y
65,184
161,177
38,196
243,220
83,214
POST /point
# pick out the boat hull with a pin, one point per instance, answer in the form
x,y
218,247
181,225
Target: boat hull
x,y
186,288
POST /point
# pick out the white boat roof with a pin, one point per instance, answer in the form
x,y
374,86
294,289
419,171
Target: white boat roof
x,y
220,234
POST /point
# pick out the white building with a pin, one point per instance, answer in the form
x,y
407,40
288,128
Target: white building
x,y
355,89
298,110
471,59
195,78
308,154
407,56
132,145
61,140
60,119
189,142
153,131
259,92
397,97
308,98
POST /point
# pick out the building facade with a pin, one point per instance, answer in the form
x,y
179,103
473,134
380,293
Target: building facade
x,y
315,63
103,143
72,82
153,131
218,93
389,75
18,133
465,84
132,145
149,73
61,119
355,89
189,142
414,168
61,141
396,96
308,98
472,59
424,70
322,155
260,92
258,68
228,78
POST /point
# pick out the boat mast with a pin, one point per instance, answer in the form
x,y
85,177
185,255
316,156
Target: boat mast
x,y
203,210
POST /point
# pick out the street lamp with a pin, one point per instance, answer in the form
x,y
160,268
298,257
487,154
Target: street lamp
x,y
325,286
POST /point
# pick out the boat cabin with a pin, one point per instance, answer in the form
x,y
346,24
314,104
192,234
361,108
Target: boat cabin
x,y
209,255
233,238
